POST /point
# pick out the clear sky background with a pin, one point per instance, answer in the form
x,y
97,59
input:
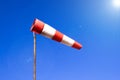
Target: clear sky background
x,y
93,23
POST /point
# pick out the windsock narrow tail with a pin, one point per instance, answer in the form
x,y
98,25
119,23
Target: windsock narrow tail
x,y
46,30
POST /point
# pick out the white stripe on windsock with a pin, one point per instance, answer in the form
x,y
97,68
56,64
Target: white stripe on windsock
x,y
48,31
68,41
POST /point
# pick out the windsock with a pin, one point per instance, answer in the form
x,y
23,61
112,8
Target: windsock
x,y
46,30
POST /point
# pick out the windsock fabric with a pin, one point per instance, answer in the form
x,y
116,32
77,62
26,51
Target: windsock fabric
x,y
46,30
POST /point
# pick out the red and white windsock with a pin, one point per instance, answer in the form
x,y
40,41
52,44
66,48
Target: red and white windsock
x,y
46,30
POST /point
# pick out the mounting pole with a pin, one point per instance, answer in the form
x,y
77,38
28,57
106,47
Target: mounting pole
x,y
34,67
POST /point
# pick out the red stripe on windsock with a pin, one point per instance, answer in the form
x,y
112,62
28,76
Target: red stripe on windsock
x,y
58,36
37,26
77,45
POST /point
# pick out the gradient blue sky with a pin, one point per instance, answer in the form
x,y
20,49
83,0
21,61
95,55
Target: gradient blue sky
x,y
93,23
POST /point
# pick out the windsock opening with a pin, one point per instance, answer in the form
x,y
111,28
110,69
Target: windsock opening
x,y
37,26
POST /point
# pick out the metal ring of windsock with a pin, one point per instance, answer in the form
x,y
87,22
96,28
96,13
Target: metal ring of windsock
x,y
46,30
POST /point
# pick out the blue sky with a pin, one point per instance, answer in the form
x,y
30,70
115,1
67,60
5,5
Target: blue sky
x,y
93,23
